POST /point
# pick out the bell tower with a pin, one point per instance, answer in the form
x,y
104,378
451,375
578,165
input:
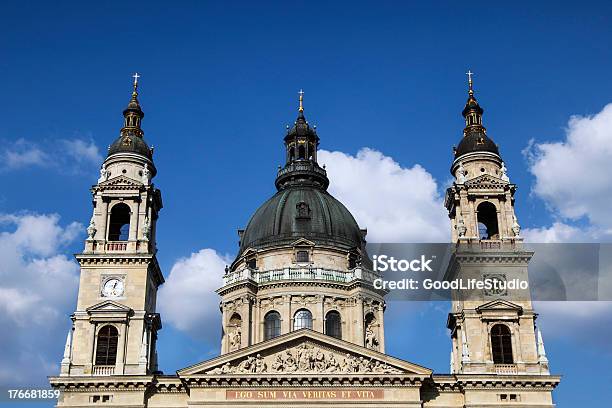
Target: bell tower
x,y
115,324
493,329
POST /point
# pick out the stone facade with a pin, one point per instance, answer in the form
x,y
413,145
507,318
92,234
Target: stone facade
x,y
302,322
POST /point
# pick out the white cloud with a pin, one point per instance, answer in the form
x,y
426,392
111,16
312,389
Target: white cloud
x,y
585,323
187,299
573,176
82,151
65,155
395,203
559,232
23,154
38,286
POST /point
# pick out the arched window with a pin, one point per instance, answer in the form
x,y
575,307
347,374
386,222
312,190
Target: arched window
x,y
301,152
501,344
302,320
333,324
119,228
272,325
106,346
487,221
291,153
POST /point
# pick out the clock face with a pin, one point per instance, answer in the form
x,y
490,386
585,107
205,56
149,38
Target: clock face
x,y
112,288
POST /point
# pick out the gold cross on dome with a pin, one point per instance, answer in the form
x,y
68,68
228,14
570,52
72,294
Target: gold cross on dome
x,y
136,76
301,93
470,74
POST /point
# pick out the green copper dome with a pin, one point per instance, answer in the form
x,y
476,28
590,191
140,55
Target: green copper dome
x,y
131,139
302,207
130,144
302,211
475,137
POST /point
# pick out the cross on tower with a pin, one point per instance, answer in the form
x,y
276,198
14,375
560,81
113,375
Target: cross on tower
x,y
470,74
301,93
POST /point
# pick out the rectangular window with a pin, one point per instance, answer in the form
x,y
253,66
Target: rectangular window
x,y
302,256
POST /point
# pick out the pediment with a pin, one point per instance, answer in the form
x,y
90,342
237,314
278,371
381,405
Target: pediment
x,y
500,305
108,306
121,181
486,181
303,352
249,251
302,242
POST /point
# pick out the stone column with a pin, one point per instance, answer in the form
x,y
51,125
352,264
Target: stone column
x,y
286,315
381,329
359,322
318,315
473,220
102,233
224,320
119,363
92,349
134,208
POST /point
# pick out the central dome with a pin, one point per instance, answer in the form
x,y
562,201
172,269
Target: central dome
x,y
302,207
302,211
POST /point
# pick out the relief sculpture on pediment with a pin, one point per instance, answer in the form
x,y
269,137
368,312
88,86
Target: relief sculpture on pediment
x,y
306,358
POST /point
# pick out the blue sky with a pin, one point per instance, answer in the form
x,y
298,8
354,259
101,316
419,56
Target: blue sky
x,y
219,83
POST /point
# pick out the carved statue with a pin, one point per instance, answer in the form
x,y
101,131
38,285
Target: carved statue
x,y
146,175
354,364
461,174
516,228
235,339
319,361
278,365
332,364
247,366
504,173
461,228
91,230
290,364
146,229
305,361
103,175
260,364
224,369
371,341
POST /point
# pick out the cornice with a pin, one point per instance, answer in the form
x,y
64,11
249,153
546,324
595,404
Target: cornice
x,y
123,259
487,381
256,287
299,380
97,383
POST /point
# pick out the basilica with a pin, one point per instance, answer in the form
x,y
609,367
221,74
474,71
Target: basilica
x,y
302,322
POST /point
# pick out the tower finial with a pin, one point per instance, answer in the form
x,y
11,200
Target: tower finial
x,y
133,114
301,108
135,76
470,84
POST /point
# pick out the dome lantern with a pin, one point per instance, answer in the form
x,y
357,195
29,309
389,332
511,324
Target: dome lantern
x,y
301,143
